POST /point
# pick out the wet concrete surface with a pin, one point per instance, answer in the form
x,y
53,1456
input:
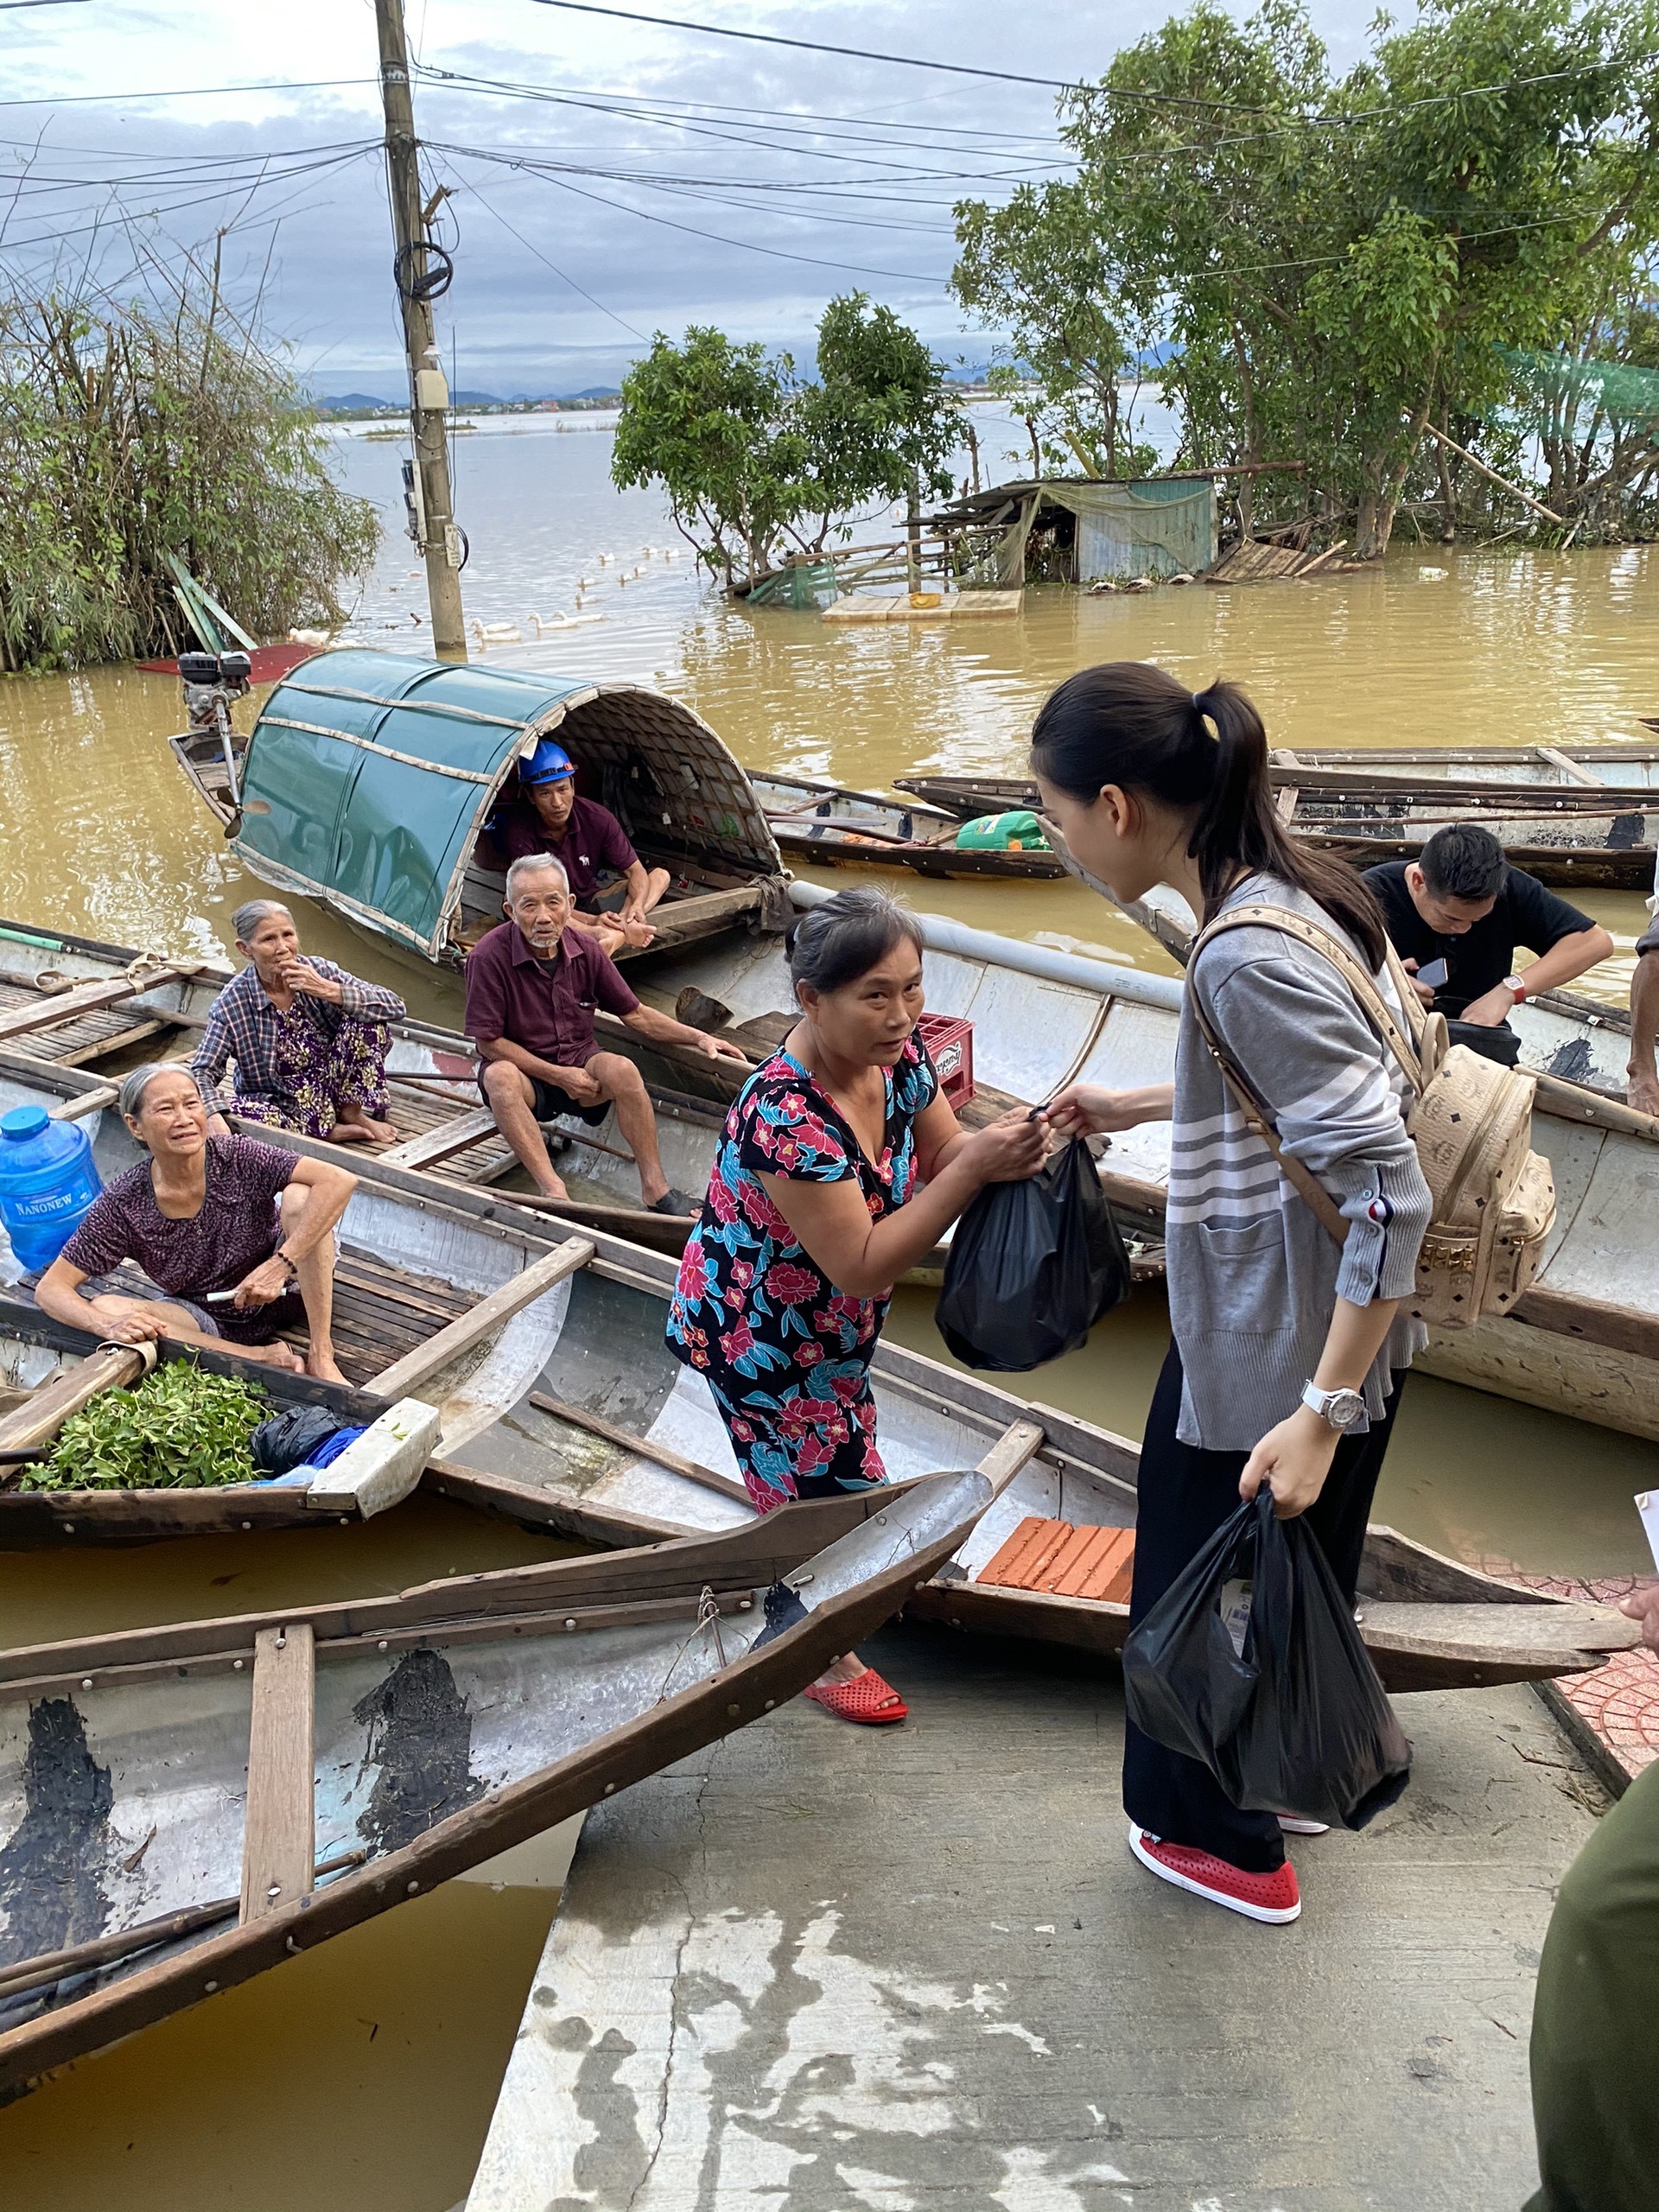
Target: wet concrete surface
x,y
818,1967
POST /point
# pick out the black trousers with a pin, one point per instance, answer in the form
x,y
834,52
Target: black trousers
x,y
1185,1496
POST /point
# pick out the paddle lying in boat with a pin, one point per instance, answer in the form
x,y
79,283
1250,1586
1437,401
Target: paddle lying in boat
x,y
620,1431
1565,818
827,824
184,1807
48,1373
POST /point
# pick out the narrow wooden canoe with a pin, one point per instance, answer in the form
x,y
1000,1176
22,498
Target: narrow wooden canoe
x,y
184,1807
620,1431
1597,826
49,1371
446,1308
1584,1341
445,1131
830,825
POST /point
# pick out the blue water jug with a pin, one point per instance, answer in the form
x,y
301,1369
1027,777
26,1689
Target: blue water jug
x,y
48,1181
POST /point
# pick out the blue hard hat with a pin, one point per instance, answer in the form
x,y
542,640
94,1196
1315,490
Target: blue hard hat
x,y
549,764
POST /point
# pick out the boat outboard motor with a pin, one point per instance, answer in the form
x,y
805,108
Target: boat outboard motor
x,y
213,682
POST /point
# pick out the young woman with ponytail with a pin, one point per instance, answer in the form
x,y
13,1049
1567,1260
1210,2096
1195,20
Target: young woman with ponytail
x,y
1289,1351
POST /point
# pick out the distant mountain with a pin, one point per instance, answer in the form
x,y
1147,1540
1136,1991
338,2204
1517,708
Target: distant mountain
x,y
334,403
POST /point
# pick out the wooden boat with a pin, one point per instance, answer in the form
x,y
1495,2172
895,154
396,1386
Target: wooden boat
x,y
830,825
1589,816
368,776
1584,1341
185,1807
428,1303
115,1005
49,1372
621,1432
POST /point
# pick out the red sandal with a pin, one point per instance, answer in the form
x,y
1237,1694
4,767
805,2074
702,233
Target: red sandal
x,y
866,1699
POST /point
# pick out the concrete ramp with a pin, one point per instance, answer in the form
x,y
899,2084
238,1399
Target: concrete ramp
x,y
817,1968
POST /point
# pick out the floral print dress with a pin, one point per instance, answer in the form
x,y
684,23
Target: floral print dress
x,y
785,1353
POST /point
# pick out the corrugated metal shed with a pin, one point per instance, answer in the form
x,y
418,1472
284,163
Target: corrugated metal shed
x,y
369,775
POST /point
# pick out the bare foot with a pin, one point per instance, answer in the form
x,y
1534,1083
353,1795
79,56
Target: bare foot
x,y
382,1132
276,1355
555,1189
353,1133
323,1367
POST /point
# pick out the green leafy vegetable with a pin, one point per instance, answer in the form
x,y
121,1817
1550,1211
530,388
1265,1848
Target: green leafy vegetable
x,y
181,1428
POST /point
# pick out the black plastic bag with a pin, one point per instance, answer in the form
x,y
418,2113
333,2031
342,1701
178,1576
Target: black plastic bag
x,y
288,1439
1251,1661
1032,1267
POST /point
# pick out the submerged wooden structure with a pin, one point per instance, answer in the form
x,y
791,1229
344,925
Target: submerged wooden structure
x,y
188,1806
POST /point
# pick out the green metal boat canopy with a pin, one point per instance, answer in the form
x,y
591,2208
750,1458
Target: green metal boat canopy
x,y
369,775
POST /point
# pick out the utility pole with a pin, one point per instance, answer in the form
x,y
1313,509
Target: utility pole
x,y
418,283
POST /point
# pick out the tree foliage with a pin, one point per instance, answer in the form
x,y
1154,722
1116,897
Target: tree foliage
x,y
129,432
757,459
1323,266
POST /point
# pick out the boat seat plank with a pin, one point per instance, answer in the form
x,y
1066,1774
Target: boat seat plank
x,y
45,1012
447,1138
279,1834
404,1377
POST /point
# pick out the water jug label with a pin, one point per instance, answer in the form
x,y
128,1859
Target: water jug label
x,y
47,1203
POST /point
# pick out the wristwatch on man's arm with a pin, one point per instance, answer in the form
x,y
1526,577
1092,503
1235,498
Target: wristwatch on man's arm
x,y
1516,987
1341,1409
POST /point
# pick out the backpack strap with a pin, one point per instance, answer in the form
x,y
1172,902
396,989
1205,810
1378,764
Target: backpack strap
x,y
1258,1115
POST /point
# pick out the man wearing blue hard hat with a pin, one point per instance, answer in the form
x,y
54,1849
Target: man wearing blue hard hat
x,y
612,889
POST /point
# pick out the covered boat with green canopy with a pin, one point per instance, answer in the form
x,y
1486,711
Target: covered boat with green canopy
x,y
368,776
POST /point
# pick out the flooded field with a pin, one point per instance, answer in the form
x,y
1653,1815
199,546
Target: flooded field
x,y
364,2078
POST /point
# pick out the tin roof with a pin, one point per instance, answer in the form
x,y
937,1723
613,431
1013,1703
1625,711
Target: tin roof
x,y
369,774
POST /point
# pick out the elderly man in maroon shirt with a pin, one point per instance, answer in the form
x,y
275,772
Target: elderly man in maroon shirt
x,y
543,815
533,987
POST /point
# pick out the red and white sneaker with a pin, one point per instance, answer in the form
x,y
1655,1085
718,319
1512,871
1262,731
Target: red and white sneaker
x,y
1259,1896
1294,1824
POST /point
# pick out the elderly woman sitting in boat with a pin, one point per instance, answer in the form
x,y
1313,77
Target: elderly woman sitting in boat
x,y
239,1234
310,1041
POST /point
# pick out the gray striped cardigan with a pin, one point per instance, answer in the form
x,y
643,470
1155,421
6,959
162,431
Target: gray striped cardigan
x,y
1253,1277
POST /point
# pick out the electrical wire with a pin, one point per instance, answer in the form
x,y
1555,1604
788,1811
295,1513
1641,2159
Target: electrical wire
x,y
562,275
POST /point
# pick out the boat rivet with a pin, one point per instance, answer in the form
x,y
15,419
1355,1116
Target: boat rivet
x,y
68,1528
292,1946
769,1705
210,1987
731,1711
85,1681
382,1643
275,1890
880,1520
569,1623
609,1786
345,1522
413,1887
746,1604
247,1524
237,1663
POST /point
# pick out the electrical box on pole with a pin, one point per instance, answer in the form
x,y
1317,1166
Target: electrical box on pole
x,y
423,271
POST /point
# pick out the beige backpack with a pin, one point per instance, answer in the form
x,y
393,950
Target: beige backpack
x,y
1494,1198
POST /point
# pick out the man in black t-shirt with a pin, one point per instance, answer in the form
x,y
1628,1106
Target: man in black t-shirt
x,y
1463,903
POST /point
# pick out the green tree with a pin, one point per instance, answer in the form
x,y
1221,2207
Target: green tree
x,y
1331,265
713,423
128,434
757,460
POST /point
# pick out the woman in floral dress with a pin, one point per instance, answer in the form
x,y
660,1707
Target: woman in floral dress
x,y
839,1166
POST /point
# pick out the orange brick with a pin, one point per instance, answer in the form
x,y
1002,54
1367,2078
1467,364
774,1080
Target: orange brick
x,y
1073,1568
1032,1531
1112,1567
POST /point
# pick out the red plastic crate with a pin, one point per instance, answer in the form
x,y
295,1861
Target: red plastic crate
x,y
949,1043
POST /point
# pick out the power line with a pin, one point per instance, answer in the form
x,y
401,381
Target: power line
x,y
815,46
563,275
178,92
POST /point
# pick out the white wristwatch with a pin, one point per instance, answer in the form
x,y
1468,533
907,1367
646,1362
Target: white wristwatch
x,y
1341,1408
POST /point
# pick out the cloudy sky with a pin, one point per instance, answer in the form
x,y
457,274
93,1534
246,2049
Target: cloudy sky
x,y
610,179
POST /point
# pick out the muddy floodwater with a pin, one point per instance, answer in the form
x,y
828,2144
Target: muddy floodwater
x,y
362,2076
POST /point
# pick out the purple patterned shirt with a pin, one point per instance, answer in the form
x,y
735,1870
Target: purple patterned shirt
x,y
244,1027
